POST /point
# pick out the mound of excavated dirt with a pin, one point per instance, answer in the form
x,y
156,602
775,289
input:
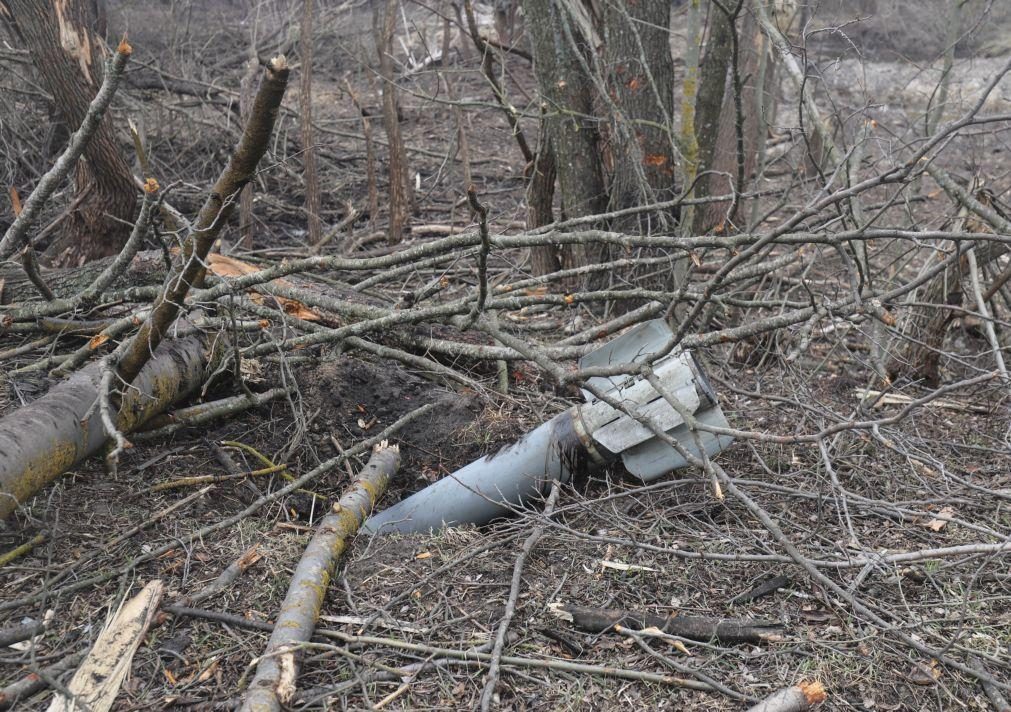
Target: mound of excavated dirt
x,y
357,399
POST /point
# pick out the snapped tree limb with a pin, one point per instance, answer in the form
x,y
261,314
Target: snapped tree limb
x,y
724,630
96,683
45,438
214,214
277,669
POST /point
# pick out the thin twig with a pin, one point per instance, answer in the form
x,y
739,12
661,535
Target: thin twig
x,y
491,680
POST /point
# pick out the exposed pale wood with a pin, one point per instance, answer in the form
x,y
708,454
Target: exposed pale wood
x,y
97,681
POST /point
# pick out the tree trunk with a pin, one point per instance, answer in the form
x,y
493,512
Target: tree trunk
x,y
247,89
540,203
384,22
918,356
44,439
709,104
717,129
66,46
640,79
312,197
567,90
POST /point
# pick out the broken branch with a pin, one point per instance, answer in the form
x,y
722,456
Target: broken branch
x,y
213,215
277,670
700,628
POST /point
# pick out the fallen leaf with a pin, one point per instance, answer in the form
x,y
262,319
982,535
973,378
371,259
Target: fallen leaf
x,y
424,555
924,674
936,524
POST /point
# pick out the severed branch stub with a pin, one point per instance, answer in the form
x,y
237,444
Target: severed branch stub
x,y
277,669
700,628
798,698
225,579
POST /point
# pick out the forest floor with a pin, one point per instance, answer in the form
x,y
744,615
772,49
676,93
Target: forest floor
x,y
669,548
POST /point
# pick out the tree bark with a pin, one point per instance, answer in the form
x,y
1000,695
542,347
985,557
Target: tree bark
x,y
724,630
146,269
540,203
65,41
274,684
709,104
798,698
213,215
310,172
926,324
717,130
567,91
640,79
47,437
384,21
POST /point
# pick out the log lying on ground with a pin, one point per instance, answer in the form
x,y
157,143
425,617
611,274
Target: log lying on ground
x,y
723,630
277,669
47,437
40,442
798,698
146,269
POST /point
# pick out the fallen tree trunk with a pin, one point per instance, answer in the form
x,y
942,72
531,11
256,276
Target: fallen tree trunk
x,y
277,669
42,440
146,269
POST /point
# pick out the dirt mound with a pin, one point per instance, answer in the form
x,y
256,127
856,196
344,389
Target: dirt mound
x,y
359,398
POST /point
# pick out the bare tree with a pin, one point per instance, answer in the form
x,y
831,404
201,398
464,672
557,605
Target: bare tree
x,y
68,50
736,85
310,172
560,50
384,23
640,79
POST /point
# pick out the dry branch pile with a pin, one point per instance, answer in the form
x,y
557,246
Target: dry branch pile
x,y
846,283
